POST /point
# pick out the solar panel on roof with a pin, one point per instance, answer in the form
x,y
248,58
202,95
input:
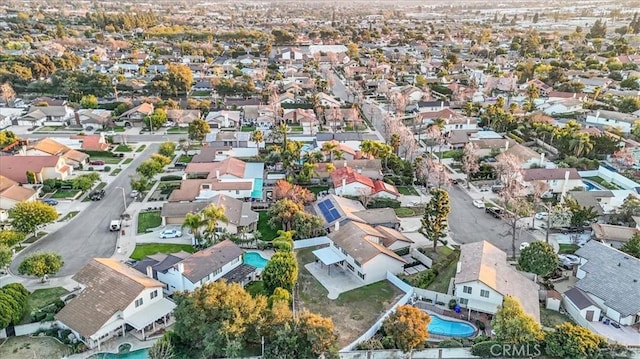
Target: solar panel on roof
x,y
329,212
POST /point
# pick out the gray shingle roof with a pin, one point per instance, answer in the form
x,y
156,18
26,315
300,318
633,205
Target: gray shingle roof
x,y
612,276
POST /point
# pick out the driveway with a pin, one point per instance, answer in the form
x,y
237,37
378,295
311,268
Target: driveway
x,y
87,235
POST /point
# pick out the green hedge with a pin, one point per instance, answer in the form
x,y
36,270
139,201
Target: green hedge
x,y
98,153
170,178
384,203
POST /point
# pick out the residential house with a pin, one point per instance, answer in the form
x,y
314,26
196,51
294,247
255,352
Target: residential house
x,y
95,142
543,88
348,182
591,85
484,277
346,152
224,119
613,235
371,168
337,211
600,201
114,299
431,106
180,272
528,157
234,139
9,115
327,101
12,193
561,106
240,217
49,146
182,118
136,115
452,120
303,118
559,180
609,279
259,116
93,119
43,167
231,177
622,121
291,54
359,248
47,116
220,153
203,85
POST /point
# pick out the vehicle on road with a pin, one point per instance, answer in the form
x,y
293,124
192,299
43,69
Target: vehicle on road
x,y
97,163
134,193
478,203
170,233
496,212
542,215
524,245
97,195
567,230
115,225
50,201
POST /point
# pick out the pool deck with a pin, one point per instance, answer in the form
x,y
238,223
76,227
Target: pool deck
x,y
112,346
455,317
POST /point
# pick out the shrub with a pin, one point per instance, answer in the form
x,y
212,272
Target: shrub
x,y
388,343
384,203
483,349
480,339
452,304
480,324
424,279
451,343
170,178
98,153
107,168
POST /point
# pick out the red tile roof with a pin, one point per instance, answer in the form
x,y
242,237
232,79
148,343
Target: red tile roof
x,y
16,167
350,176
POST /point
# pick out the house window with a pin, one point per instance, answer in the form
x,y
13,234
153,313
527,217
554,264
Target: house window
x,y
466,289
218,271
237,191
154,294
361,275
463,301
343,251
206,186
357,263
138,302
350,267
484,293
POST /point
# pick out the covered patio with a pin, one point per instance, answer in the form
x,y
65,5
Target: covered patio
x,y
329,256
149,320
328,270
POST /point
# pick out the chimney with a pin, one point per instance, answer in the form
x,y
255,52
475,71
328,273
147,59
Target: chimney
x,y
344,183
597,115
542,159
506,146
344,164
149,272
441,105
336,226
180,267
218,174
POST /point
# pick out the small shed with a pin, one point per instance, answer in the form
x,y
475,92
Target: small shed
x,y
553,300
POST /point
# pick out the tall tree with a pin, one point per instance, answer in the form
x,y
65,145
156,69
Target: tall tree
x,y
307,225
10,238
435,222
573,342
213,215
167,149
632,247
407,327
539,258
281,271
284,189
470,162
27,217
508,169
41,264
282,212
194,222
513,325
5,256
258,137
198,130
162,349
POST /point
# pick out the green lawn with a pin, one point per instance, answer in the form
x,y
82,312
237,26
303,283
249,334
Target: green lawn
x,y
147,220
40,298
107,160
407,190
441,283
68,216
123,148
143,250
296,128
201,93
65,193
247,129
567,248
317,189
604,183
405,212
353,312
115,172
256,288
127,161
35,238
268,233
185,158
551,318
141,148
178,130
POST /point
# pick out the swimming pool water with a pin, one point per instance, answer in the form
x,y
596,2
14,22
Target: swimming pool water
x,y
136,354
255,259
590,186
449,328
258,184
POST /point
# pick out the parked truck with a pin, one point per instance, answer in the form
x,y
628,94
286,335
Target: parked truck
x,y
115,225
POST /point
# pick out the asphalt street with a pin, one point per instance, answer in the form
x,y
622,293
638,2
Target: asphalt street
x,y
87,235
469,224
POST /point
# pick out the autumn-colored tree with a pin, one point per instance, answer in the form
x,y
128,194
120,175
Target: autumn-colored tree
x,y
513,325
258,137
167,149
407,327
198,130
282,212
508,169
10,238
284,189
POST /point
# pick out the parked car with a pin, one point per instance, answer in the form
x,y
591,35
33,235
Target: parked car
x,y
134,193
571,258
478,203
496,212
50,201
170,233
524,245
97,195
567,230
542,215
496,188
97,163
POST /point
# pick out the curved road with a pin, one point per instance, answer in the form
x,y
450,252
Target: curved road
x,y
87,235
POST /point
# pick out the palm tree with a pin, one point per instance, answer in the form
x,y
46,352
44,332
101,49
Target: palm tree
x,y
532,93
212,214
258,137
194,221
330,148
581,144
394,142
313,157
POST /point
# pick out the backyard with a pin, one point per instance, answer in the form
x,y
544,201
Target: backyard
x,y
40,298
143,250
407,190
604,183
148,220
25,347
317,189
551,318
353,312
268,233
447,271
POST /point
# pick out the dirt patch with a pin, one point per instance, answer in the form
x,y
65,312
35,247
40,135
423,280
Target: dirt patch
x,y
353,312
30,347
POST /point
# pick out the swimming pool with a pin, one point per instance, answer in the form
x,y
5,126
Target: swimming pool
x,y
255,259
591,186
258,184
450,328
136,354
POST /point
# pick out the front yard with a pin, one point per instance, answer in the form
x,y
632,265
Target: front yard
x,y
66,193
407,190
143,250
353,312
148,220
25,347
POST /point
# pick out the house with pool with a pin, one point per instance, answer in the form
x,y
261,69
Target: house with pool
x,y
484,277
186,272
115,299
